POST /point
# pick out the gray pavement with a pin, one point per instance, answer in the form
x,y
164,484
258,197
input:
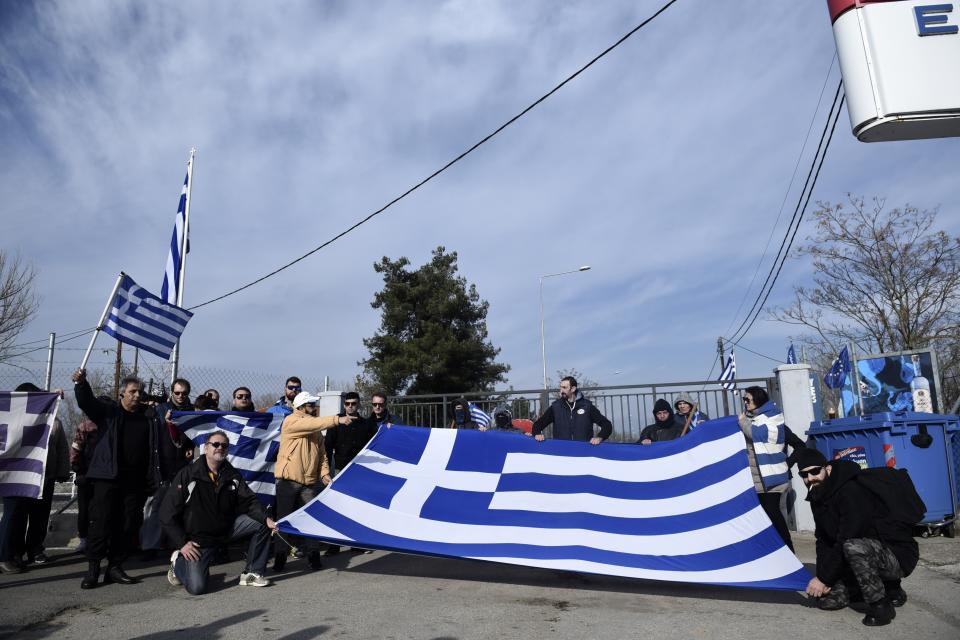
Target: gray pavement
x,y
386,595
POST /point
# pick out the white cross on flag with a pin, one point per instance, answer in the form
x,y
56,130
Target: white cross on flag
x,y
26,419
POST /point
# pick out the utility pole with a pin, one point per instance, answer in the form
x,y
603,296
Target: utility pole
x,y
116,372
723,363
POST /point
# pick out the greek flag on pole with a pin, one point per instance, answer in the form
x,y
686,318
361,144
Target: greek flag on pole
x,y
791,355
143,320
684,510
171,276
254,442
481,417
838,370
728,377
26,419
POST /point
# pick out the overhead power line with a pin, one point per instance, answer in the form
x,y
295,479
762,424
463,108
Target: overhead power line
x,y
802,204
449,164
825,137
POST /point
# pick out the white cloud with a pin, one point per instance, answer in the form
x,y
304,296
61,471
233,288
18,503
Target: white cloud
x,y
662,166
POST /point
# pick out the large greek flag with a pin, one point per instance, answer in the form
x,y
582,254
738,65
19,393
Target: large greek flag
x,y
25,422
684,510
141,319
254,442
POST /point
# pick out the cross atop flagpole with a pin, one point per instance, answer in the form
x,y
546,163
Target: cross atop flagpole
x,y
183,244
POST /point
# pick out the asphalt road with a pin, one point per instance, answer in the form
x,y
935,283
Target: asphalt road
x,y
386,595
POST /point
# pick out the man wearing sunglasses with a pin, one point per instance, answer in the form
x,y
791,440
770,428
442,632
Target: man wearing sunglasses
x,y
242,400
302,465
284,405
379,413
853,556
209,505
344,442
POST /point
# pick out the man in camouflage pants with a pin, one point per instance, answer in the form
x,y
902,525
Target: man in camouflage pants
x,y
852,559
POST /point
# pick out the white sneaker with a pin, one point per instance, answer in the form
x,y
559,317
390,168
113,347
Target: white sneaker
x,y
253,580
171,575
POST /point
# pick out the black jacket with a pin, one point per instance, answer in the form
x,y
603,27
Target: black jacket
x,y
344,442
109,418
844,509
172,444
196,509
668,429
573,422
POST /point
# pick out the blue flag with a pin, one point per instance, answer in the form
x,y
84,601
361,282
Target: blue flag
x,y
684,510
838,371
791,355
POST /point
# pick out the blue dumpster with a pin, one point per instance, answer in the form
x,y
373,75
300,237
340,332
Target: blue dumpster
x,y
926,444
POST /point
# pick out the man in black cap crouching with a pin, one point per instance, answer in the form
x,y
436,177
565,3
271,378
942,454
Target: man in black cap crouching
x,y
859,546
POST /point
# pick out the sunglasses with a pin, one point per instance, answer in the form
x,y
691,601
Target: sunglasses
x,y
293,387
378,404
350,403
180,393
812,471
219,445
748,401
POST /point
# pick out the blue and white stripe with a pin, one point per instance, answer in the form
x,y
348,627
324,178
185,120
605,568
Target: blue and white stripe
x,y
171,275
728,377
26,419
254,442
141,319
769,445
478,415
683,510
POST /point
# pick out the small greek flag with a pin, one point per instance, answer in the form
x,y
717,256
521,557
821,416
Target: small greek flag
x,y
26,419
142,320
478,415
171,276
791,355
728,378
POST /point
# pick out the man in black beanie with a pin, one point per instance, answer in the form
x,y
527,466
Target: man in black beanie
x,y
851,553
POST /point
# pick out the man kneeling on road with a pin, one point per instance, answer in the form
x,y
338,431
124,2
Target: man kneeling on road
x,y
860,548
208,505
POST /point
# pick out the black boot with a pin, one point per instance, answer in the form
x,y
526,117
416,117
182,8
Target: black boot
x,y
895,594
115,574
92,579
879,613
314,560
279,561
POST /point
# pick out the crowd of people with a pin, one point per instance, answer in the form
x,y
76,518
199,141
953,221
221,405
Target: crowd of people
x,y
142,485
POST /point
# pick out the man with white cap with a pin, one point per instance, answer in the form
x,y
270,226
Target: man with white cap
x,y
302,463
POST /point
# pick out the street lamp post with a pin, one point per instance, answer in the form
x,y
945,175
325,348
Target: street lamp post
x,y
543,342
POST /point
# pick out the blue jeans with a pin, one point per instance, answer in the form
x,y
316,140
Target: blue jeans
x,y
194,575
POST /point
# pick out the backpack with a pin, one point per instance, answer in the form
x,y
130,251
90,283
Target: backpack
x,y
896,491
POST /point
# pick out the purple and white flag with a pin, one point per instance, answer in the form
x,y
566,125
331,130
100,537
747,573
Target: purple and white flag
x,y
26,418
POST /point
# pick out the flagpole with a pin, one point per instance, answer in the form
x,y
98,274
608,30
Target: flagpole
x,y
181,277
856,377
103,319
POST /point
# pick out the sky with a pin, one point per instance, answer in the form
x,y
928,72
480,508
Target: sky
x,y
663,167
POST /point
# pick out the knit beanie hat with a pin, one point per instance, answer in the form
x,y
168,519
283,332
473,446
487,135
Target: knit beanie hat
x,y
661,405
809,457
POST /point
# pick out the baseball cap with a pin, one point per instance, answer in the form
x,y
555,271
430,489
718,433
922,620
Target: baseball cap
x,y
304,398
